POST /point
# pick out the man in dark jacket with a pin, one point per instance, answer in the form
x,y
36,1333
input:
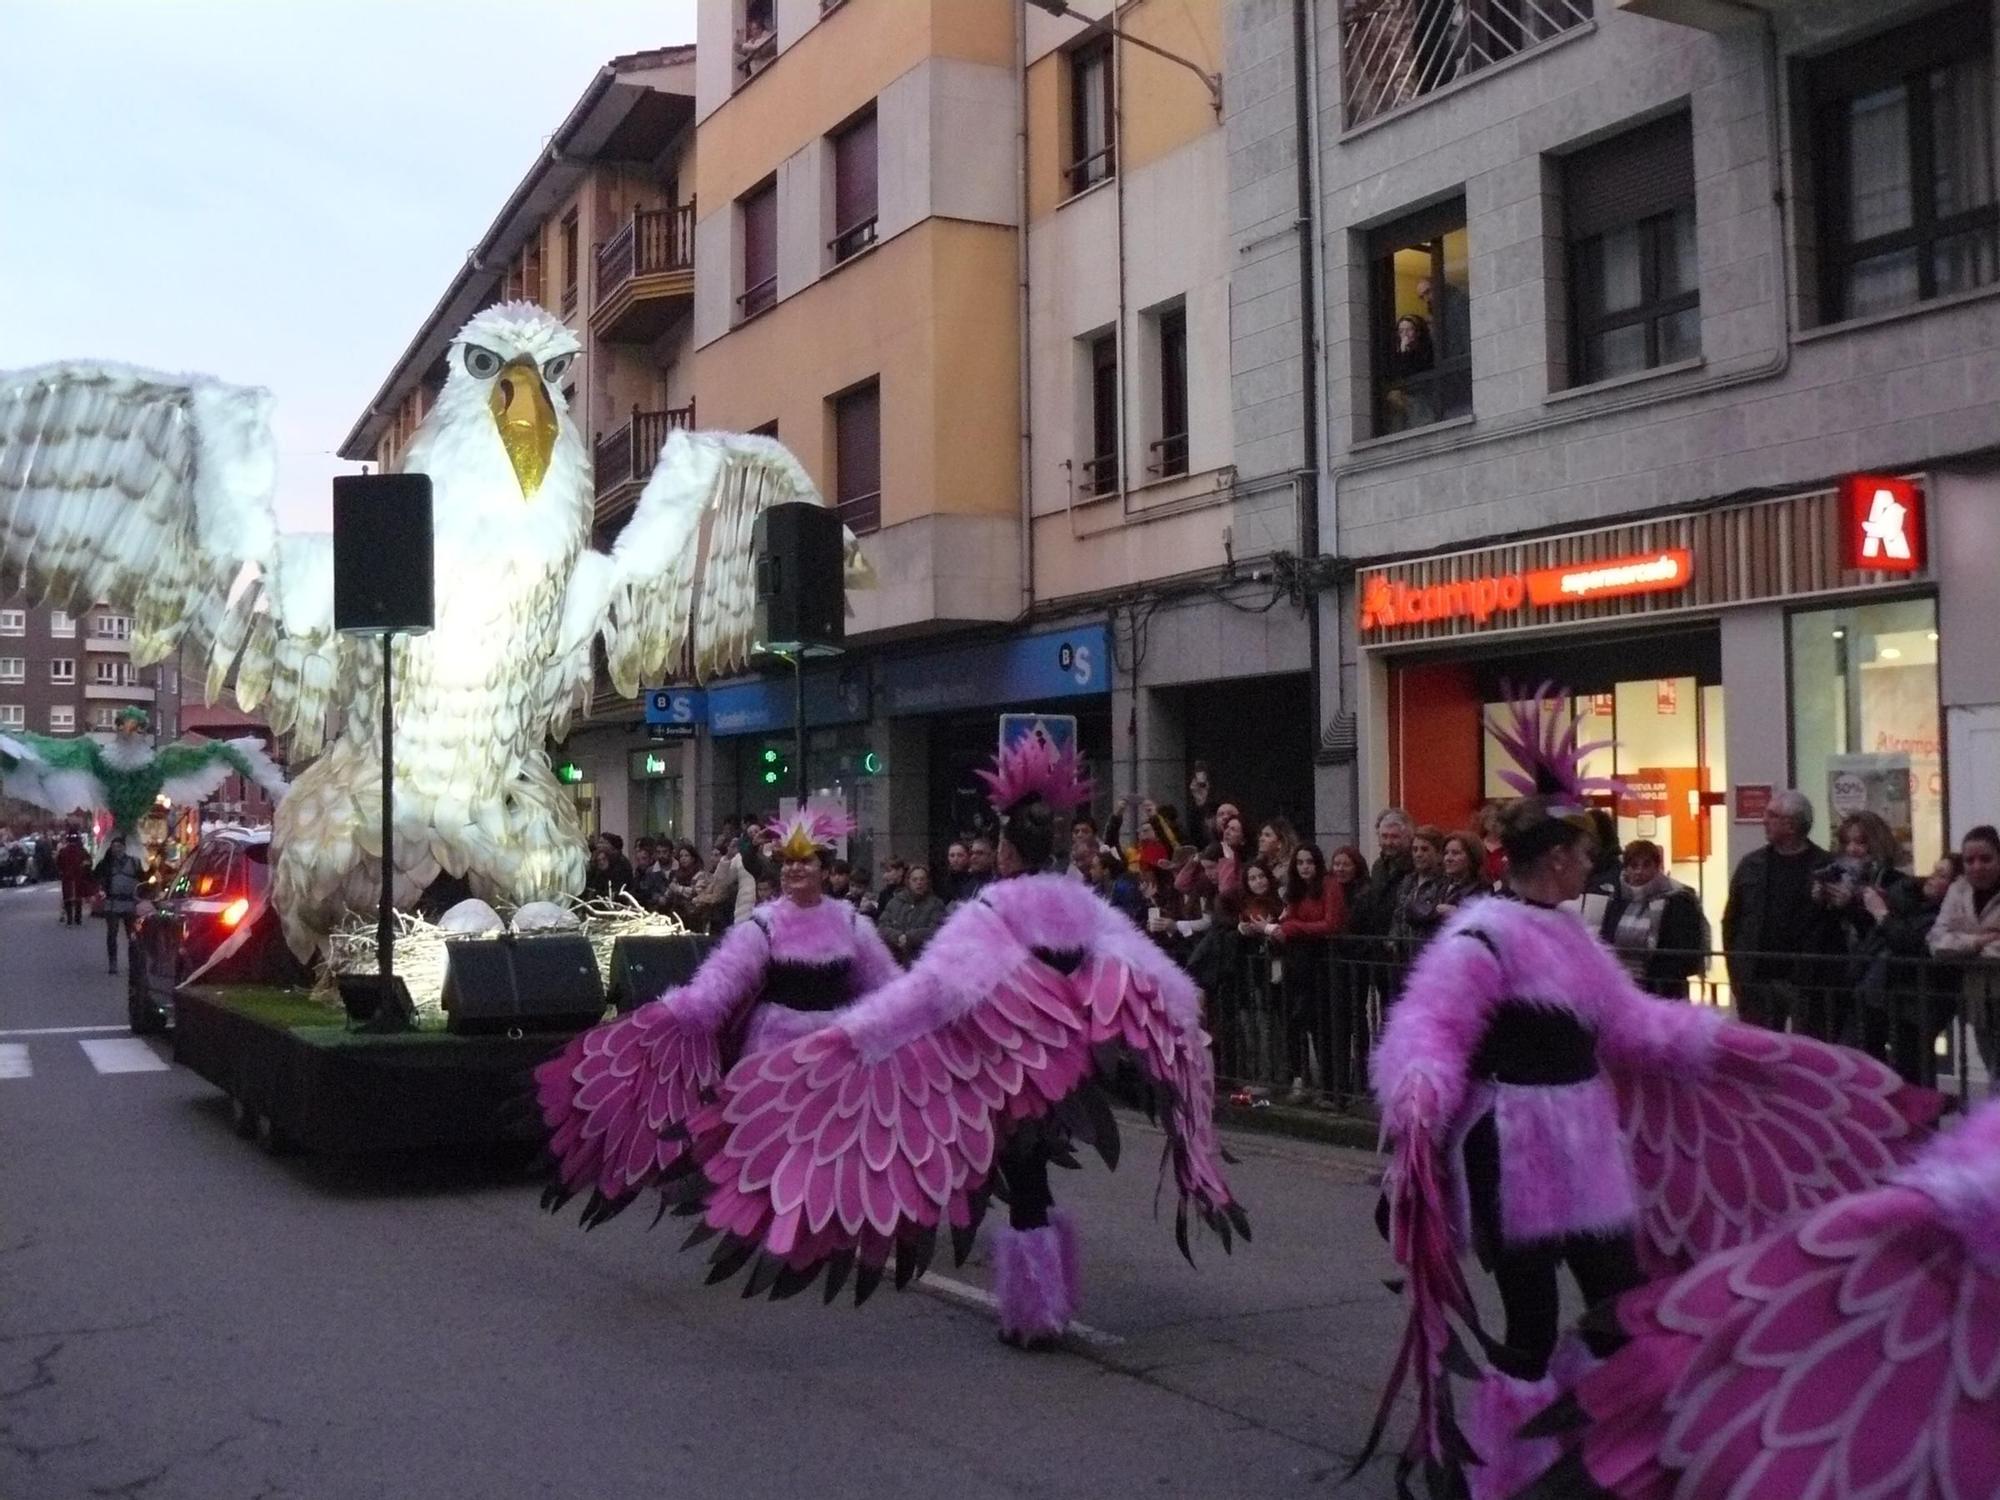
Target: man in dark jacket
x,y
1778,940
119,875
912,915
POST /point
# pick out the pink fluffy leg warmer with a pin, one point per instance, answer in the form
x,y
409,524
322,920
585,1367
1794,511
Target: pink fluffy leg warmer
x,y
1499,1406
1036,1279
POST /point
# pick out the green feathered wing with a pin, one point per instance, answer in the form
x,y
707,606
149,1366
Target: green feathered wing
x,y
68,775
63,775
194,771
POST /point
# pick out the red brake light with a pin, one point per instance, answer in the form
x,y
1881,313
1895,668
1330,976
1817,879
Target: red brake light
x,y
234,912
204,885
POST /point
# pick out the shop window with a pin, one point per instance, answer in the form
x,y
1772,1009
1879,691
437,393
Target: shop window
x,y
758,211
854,187
1093,122
857,457
1902,140
1421,320
1099,472
1168,452
1866,728
1628,211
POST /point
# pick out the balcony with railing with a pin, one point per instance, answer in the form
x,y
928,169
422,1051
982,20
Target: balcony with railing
x,y
1394,52
645,275
626,457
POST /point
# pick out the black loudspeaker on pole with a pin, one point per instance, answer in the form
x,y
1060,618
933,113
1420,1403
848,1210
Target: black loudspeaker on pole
x,y
383,584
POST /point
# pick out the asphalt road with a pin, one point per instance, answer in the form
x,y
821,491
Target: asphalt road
x,y
184,1316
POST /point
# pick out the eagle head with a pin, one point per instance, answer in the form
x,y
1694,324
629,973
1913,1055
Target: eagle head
x,y
514,355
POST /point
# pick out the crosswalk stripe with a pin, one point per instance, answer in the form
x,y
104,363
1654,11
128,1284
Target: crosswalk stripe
x,y
59,1030
125,1054
14,1061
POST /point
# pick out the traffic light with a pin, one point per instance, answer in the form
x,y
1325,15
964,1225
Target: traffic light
x,y
774,767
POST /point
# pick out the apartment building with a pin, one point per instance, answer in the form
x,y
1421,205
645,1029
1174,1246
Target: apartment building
x,y
1659,358
600,231
971,263
64,674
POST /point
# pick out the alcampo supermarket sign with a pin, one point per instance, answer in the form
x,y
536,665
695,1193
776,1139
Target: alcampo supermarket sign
x,y
1387,602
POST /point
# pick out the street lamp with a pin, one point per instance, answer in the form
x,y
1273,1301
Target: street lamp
x,y
1211,81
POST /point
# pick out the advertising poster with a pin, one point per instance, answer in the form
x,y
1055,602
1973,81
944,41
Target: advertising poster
x,y
1871,783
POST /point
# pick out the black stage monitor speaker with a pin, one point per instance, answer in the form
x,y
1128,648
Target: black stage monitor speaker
x,y
361,994
800,597
645,968
521,984
382,567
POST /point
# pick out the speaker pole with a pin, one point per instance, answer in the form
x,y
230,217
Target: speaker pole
x,y
388,1010
799,727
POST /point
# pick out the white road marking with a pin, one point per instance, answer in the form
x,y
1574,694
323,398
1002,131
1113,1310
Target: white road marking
x,y
125,1054
972,1296
14,1061
58,1030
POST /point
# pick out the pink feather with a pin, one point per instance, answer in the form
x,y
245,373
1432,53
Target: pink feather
x,y
1030,768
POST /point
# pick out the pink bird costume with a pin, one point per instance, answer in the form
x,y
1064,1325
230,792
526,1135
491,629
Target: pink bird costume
x,y
617,1099
1541,1110
853,1148
1854,1352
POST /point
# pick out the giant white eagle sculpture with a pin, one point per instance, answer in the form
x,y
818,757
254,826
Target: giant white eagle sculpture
x,y
155,491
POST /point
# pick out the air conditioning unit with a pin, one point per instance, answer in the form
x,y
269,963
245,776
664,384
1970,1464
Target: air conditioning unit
x,y
1704,15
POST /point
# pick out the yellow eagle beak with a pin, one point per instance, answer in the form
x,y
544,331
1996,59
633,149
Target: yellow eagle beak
x,y
527,422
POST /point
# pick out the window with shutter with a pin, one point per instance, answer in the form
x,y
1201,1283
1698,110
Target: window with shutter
x,y
854,188
760,249
1628,215
857,457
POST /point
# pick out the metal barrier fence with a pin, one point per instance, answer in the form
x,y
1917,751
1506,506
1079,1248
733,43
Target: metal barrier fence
x,y
1302,1018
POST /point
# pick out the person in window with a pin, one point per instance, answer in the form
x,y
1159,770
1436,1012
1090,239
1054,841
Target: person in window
x,y
1411,354
1654,924
1968,929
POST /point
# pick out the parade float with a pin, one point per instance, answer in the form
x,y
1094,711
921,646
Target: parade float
x,y
158,491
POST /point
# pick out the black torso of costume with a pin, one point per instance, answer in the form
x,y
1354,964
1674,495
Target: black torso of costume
x,y
798,985
1063,960
1534,1045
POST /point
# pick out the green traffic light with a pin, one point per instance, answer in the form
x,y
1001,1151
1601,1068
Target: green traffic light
x,y
769,756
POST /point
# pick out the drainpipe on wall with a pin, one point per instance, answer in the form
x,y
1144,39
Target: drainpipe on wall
x,y
1026,385
1308,483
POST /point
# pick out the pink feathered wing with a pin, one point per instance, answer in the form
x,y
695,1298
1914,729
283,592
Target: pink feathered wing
x,y
1773,1125
859,1143
1854,1353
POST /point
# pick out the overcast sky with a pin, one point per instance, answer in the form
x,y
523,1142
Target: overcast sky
x,y
273,191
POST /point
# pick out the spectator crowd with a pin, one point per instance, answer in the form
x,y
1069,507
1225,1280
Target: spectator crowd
x,y
1302,951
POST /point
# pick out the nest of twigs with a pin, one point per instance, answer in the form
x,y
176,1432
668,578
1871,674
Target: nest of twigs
x,y
420,946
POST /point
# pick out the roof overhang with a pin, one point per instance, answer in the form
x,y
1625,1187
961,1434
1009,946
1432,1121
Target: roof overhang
x,y
617,119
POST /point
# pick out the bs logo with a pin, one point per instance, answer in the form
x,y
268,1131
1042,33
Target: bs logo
x,y
1075,663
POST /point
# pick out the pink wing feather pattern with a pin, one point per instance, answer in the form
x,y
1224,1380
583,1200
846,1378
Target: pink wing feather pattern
x,y
836,1152
1777,1125
1854,1353
1542,737
616,1099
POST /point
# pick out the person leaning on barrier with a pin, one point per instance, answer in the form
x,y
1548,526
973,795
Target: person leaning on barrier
x,y
1776,938
1655,924
1968,929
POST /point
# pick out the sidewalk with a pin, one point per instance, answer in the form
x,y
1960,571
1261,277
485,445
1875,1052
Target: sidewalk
x,y
1355,1127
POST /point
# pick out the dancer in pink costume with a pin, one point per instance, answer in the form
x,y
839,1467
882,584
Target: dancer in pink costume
x,y
1855,1352
1543,1112
617,1099
853,1147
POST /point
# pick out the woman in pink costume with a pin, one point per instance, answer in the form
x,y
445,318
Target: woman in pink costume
x,y
853,1147
1854,1352
1545,1113
617,1099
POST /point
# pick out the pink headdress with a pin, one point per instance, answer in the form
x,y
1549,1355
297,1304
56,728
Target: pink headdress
x,y
1542,736
805,835
1036,768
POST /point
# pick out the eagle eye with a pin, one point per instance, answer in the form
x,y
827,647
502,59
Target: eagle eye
x,y
556,368
481,364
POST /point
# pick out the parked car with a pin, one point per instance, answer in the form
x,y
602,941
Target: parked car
x,y
218,888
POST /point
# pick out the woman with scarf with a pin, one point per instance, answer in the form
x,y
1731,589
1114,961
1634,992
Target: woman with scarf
x,y
1655,924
